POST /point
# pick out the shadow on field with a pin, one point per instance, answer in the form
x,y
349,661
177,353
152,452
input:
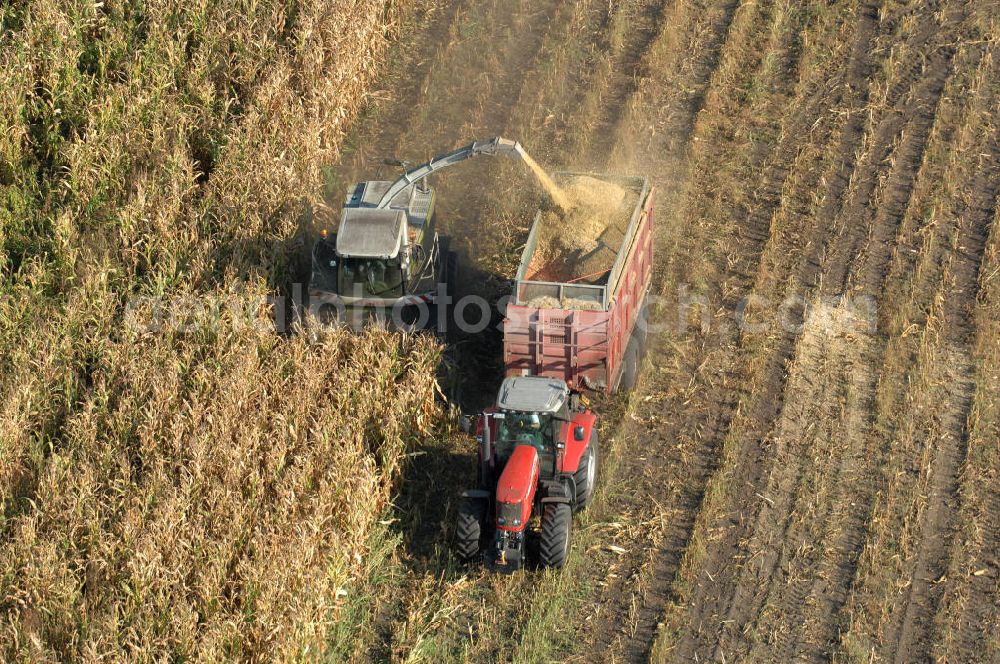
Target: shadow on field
x,y
428,490
438,471
429,487
477,351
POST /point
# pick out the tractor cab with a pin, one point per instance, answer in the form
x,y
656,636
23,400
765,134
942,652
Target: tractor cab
x,y
375,258
378,256
534,429
535,412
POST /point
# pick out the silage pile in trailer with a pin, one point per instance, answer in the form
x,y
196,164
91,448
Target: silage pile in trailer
x,y
202,491
580,245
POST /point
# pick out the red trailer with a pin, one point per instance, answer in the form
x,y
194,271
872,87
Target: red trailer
x,y
582,332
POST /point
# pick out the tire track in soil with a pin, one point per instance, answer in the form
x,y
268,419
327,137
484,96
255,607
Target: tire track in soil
x,y
974,620
911,377
715,594
646,473
789,465
911,106
830,404
756,586
833,573
964,633
832,584
631,66
821,621
753,236
911,628
373,141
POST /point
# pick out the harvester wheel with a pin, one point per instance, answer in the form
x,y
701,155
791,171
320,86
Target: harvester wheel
x,y
586,475
469,527
448,275
630,365
553,545
451,272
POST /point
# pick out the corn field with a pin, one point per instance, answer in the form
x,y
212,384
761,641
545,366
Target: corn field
x,y
207,489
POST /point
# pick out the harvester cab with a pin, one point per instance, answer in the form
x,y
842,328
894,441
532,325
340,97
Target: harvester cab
x,y
538,457
386,259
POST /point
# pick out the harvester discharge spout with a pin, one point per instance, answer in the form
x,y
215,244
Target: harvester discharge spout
x,y
490,147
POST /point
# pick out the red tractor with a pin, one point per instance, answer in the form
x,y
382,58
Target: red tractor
x,y
538,460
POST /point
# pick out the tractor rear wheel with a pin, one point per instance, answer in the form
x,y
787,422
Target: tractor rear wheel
x,y
586,475
553,545
469,527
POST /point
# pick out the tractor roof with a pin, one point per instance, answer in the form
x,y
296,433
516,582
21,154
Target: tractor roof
x,y
532,394
370,232
367,231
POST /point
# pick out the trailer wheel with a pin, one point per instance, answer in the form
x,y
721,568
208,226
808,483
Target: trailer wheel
x,y
469,527
630,365
553,545
586,475
642,329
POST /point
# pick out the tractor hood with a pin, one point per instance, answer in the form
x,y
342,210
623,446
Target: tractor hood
x,y
371,233
519,476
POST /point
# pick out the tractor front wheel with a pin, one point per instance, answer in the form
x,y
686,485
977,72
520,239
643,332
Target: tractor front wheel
x,y
469,527
553,545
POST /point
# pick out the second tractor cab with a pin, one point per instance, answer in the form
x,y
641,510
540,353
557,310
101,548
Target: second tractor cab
x,y
538,461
